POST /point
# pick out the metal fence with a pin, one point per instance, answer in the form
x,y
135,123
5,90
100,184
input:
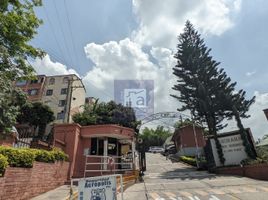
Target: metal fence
x,y
108,164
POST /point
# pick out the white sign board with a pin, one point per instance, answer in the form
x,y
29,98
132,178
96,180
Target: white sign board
x,y
97,188
233,150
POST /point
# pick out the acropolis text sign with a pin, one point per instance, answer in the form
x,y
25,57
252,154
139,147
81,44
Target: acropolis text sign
x,y
233,150
97,188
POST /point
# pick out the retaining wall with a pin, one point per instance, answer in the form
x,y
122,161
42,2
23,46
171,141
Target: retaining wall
x,y
24,183
259,171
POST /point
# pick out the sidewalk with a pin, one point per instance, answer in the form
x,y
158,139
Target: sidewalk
x,y
60,193
136,191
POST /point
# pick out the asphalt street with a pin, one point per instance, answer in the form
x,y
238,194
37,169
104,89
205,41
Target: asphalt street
x,y
165,180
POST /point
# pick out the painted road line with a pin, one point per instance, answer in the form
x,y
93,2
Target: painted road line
x,y
154,195
212,197
194,198
171,196
185,194
202,193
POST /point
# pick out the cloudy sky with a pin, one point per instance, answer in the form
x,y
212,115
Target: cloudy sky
x,y
106,40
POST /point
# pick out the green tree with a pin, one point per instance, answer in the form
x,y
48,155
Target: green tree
x,y
154,137
37,115
18,25
203,86
107,113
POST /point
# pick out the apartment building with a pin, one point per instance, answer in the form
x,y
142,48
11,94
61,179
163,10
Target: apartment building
x,y
33,88
64,94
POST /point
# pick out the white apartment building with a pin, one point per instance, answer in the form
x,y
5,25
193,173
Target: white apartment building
x,y
65,95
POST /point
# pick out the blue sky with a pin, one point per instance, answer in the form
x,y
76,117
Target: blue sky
x,y
70,25
106,40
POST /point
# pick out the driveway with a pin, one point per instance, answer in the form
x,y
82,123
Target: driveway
x,y
165,180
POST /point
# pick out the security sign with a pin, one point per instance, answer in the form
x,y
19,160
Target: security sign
x,y
97,188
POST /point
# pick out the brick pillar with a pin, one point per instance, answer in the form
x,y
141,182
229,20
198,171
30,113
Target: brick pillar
x,y
66,136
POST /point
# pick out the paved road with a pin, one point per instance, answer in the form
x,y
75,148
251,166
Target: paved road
x,y
165,180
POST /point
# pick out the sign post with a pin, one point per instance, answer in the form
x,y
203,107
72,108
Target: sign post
x,y
99,187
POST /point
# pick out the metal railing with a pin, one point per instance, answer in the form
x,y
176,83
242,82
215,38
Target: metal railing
x,y
112,164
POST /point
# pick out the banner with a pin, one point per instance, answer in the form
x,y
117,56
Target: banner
x,y
97,188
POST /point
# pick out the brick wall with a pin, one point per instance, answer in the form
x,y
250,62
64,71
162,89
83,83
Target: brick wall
x,y
252,171
24,183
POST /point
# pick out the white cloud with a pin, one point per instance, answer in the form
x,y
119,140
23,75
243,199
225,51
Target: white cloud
x,y
250,73
48,67
125,60
257,121
162,21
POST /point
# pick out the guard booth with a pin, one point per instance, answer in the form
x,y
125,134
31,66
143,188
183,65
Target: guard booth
x,y
97,149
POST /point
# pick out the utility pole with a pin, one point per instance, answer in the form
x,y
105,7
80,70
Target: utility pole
x,y
71,88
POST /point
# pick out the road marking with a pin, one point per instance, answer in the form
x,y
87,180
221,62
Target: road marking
x,y
200,192
185,194
194,198
171,195
155,196
214,198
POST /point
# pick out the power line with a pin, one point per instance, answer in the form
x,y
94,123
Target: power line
x,y
71,33
61,29
53,32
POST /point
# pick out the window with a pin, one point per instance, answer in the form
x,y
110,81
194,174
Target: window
x,y
60,115
21,82
33,92
49,92
63,91
65,80
51,81
34,81
62,103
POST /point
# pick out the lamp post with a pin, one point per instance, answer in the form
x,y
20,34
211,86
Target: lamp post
x,y
196,142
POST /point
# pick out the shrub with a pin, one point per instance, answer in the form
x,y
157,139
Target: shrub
x,y
44,156
59,155
18,157
3,164
262,157
188,160
25,157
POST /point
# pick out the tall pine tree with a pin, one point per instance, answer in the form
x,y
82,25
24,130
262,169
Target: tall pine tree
x,y
203,86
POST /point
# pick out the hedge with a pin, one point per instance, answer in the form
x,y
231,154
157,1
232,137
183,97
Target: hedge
x,y
3,164
188,160
25,157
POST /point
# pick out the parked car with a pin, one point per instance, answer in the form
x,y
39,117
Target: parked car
x,y
156,149
170,149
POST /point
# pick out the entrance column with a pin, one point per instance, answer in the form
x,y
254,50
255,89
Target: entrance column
x,y
105,152
133,154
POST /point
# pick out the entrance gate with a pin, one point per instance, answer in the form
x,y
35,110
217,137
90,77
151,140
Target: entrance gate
x,y
158,117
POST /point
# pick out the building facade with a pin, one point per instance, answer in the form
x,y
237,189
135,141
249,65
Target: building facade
x,y
90,148
33,88
189,140
64,94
